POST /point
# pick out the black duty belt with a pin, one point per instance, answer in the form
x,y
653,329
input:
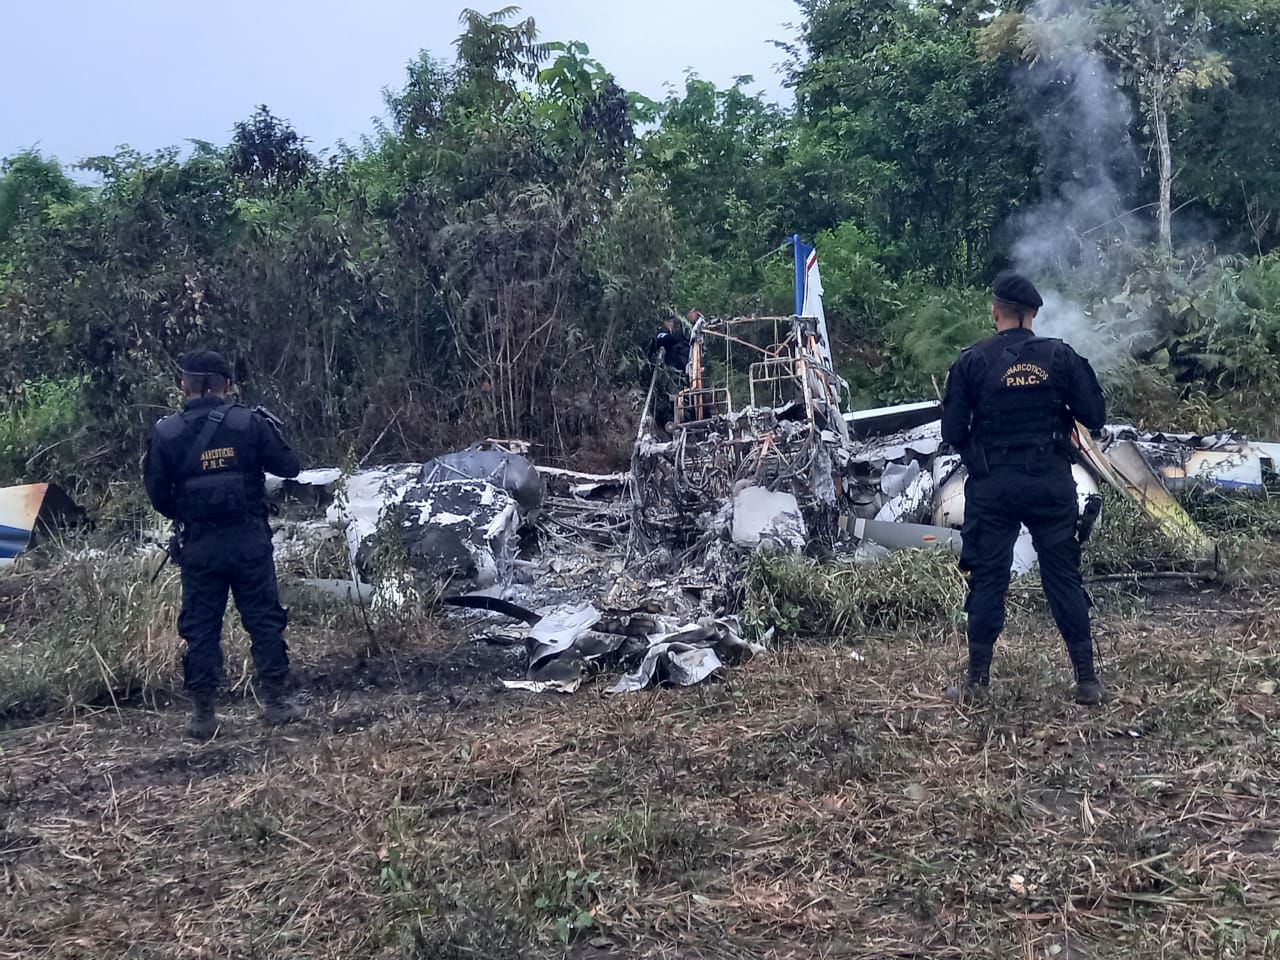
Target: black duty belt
x,y
207,526
1022,455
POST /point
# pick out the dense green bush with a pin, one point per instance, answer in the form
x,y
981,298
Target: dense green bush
x,y
485,267
42,429
492,259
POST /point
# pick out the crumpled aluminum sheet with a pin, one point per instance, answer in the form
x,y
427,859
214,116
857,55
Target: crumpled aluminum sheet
x,y
918,443
688,655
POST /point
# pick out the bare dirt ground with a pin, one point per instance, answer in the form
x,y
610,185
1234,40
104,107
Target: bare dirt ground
x,y
822,801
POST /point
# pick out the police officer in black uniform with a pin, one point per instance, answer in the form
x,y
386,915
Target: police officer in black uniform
x,y
1009,406
674,341
204,470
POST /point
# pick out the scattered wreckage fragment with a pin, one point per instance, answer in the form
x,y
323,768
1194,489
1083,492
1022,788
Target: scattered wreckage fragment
x,y
689,655
768,521
566,643
896,535
1226,461
30,512
1123,466
880,421
641,570
458,530
582,610
458,515
512,473
917,482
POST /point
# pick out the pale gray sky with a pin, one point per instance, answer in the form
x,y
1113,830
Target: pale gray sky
x,y
79,77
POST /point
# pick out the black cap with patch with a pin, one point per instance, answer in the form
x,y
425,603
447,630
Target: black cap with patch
x,y
205,363
1017,291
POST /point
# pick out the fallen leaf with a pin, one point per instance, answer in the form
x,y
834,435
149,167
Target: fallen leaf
x,y
1267,686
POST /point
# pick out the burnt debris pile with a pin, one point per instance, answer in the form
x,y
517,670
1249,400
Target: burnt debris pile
x,y
639,573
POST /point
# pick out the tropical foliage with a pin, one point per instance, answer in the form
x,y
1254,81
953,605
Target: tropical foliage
x,y
492,258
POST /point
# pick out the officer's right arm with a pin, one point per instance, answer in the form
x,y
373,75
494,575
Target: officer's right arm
x,y
276,456
156,477
957,408
1085,398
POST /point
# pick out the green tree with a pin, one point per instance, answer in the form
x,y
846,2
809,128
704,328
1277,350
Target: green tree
x,y
1161,49
482,266
721,156
1224,133
267,151
28,185
892,96
524,181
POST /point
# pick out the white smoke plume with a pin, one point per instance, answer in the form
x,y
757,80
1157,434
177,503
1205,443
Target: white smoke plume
x,y
1104,344
1079,237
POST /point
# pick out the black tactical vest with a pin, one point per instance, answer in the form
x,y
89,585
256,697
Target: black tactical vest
x,y
1020,400
212,480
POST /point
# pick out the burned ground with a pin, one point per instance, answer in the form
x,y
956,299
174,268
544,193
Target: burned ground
x,y
822,800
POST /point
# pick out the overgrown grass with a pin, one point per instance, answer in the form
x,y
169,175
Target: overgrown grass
x,y
93,629
1224,513
923,590
1246,527
1127,540
844,601
88,630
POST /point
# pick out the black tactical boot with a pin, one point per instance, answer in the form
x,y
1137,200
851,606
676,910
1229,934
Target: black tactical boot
x,y
280,709
971,692
1090,693
1089,690
202,723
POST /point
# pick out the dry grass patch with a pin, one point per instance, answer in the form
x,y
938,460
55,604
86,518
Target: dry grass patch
x,y
821,801
814,804
94,630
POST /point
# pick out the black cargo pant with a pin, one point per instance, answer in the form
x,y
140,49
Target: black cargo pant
x,y
1041,494
238,559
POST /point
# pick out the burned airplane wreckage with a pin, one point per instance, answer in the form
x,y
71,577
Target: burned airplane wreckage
x,y
778,463
640,571
791,470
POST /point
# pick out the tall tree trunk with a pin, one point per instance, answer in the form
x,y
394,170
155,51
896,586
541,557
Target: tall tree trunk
x,y
1160,119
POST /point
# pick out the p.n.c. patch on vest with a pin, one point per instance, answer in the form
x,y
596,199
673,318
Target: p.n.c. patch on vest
x,y
1026,375
217,459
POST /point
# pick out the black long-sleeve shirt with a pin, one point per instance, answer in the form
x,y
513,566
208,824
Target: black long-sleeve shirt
x,y
256,446
1081,392
676,344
